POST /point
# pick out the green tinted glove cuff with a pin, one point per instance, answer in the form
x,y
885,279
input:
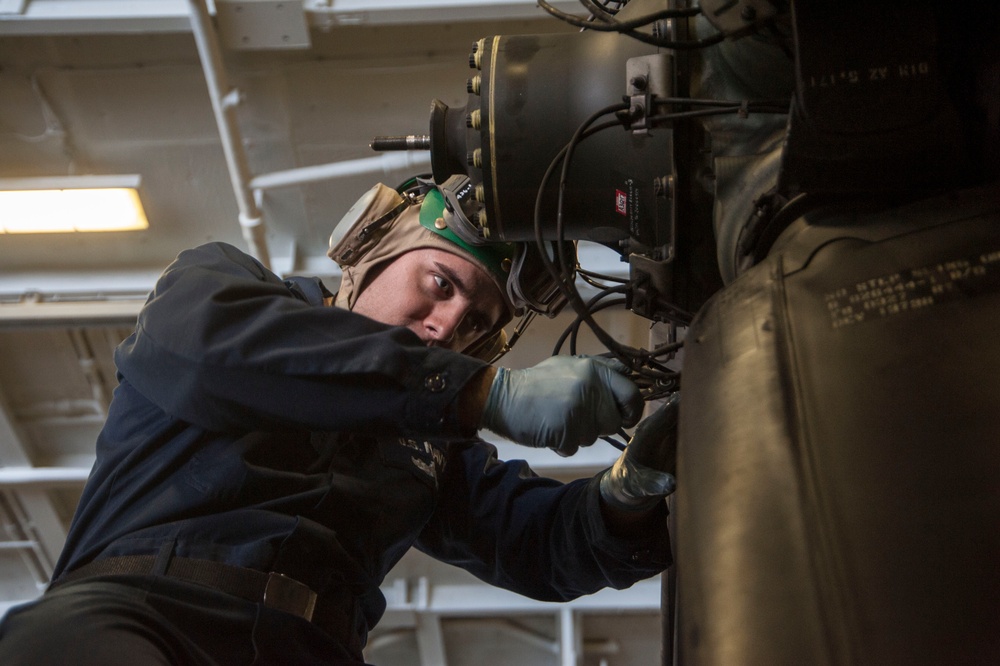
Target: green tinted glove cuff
x,y
643,474
631,486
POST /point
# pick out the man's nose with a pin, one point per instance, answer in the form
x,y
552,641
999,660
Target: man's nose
x,y
444,321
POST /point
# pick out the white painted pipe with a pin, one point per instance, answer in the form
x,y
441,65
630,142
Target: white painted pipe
x,y
327,13
224,103
45,477
385,163
569,638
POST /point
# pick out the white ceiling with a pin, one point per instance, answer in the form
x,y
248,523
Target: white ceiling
x,y
119,86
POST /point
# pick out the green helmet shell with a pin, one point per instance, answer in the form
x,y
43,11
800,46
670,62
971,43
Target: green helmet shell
x,y
496,257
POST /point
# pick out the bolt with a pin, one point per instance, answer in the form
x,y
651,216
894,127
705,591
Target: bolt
x,y
476,57
475,158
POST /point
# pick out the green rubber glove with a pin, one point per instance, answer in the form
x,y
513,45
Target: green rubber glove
x,y
644,473
562,403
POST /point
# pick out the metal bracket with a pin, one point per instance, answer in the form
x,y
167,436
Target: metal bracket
x,y
736,18
462,209
646,78
262,24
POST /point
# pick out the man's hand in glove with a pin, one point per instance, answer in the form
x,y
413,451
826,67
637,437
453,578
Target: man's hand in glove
x,y
563,403
644,473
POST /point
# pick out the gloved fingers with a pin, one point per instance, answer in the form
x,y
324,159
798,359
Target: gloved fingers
x,y
615,364
623,390
566,450
654,443
562,403
632,487
664,418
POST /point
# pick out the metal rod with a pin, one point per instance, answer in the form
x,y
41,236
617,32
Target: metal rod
x,y
408,142
224,102
46,477
378,164
18,545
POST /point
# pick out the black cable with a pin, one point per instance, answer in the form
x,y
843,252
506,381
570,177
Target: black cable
x,y
653,378
619,26
618,5
567,158
634,358
592,277
711,40
565,281
588,279
604,22
667,348
697,101
576,328
614,442
598,12
722,111
575,324
628,27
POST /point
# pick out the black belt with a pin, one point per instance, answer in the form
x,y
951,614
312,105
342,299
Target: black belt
x,y
333,613
273,590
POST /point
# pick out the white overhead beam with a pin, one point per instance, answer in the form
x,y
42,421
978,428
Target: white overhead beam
x,y
43,477
71,313
80,285
383,164
51,17
69,17
325,14
474,599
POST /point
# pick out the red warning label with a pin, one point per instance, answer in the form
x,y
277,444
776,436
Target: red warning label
x,y
621,202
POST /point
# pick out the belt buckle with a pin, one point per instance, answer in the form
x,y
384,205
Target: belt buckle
x,y
289,595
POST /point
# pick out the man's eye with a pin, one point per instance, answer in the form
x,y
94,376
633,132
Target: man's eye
x,y
442,283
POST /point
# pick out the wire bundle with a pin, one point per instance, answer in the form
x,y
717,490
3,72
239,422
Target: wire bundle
x,y
647,366
602,18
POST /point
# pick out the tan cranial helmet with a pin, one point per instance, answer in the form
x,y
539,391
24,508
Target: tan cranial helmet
x,y
385,224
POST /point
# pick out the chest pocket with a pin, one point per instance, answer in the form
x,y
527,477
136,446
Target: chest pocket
x,y
423,459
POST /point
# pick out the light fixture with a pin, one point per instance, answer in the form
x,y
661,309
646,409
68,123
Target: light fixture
x,y
68,204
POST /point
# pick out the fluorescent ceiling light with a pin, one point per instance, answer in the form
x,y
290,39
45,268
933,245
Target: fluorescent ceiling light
x,y
71,204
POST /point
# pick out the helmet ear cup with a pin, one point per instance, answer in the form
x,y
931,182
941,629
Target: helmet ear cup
x,y
364,224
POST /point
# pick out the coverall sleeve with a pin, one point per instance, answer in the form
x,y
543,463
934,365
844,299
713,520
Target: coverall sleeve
x,y
226,345
535,536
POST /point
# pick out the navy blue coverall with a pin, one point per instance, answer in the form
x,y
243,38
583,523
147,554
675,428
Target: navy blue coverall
x,y
254,427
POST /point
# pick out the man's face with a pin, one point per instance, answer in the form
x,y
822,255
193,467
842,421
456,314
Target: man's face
x,y
446,300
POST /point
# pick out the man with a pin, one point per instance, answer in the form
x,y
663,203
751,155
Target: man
x,y
269,455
